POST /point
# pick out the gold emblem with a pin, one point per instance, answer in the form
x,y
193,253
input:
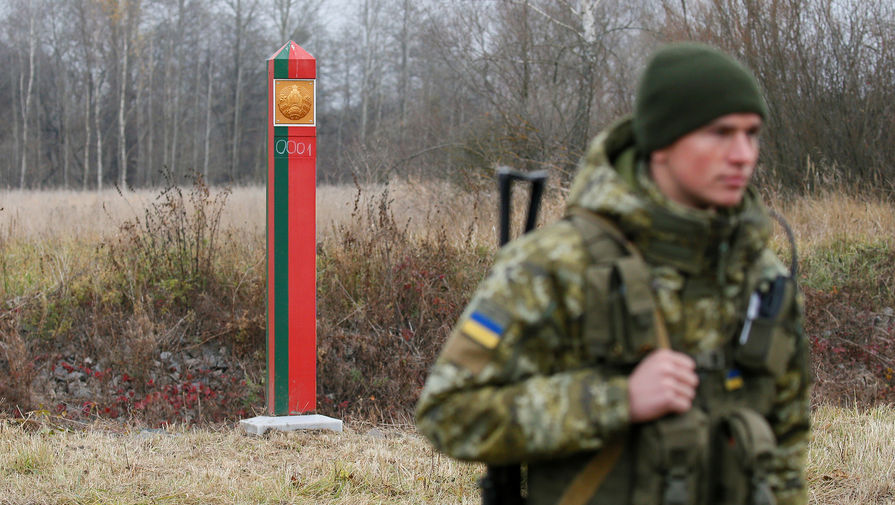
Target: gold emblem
x,y
294,102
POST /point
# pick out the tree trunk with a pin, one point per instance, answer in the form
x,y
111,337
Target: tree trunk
x,y
194,119
176,121
207,116
366,77
237,68
405,71
64,112
65,150
26,98
346,106
122,103
140,161
178,74
243,18
88,133
99,135
13,161
91,86
234,153
168,81
151,124
283,8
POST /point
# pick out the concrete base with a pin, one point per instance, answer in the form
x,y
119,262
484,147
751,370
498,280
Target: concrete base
x,y
258,425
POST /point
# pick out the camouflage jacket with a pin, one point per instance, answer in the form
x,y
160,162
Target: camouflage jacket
x,y
528,374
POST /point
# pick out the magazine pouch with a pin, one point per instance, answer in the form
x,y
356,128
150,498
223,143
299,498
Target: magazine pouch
x,y
745,444
670,460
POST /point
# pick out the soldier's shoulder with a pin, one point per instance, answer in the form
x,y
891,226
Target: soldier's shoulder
x,y
558,242
768,265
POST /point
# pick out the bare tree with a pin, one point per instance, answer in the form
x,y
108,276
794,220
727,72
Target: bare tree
x,y
61,43
98,82
173,86
424,87
143,74
537,68
88,32
403,39
209,67
243,12
124,17
371,30
26,91
11,98
820,63
295,19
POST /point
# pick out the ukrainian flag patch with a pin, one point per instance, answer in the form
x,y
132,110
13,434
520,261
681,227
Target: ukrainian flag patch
x,y
734,380
483,329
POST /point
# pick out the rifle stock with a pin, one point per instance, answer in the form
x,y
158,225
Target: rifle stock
x,y
502,484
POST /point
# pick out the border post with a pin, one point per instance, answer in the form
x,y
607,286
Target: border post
x,y
291,231
291,245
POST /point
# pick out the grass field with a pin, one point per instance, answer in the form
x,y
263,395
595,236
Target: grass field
x,y
223,466
816,220
850,463
63,214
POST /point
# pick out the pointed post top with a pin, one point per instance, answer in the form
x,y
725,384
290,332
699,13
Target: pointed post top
x,y
301,64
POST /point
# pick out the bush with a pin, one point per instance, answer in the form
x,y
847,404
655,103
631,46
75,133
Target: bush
x,y
850,322
168,283
164,320
386,303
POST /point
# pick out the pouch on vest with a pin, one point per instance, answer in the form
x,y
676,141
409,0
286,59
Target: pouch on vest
x,y
620,316
670,458
763,345
618,319
745,446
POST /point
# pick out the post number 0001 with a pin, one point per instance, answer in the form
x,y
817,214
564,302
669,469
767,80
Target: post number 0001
x,y
291,147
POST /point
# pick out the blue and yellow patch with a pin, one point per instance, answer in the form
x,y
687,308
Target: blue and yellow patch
x,y
483,329
734,380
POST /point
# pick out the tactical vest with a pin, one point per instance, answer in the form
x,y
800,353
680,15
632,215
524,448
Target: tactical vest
x,y
720,452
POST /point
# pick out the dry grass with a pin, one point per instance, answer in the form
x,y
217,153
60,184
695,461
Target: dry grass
x,y
225,466
851,461
88,215
819,220
852,457
62,214
816,220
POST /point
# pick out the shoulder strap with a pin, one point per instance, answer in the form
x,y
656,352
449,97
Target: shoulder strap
x,y
592,227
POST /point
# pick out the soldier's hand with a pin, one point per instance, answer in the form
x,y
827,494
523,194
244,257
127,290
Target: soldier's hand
x,y
663,383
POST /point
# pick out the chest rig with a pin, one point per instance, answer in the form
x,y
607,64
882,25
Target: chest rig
x,y
720,451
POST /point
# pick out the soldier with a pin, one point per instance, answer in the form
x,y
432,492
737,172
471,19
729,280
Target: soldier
x,y
647,348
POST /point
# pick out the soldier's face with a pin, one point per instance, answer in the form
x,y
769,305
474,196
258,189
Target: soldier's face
x,y
711,166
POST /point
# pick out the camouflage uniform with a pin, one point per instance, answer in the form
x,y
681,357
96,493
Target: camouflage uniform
x,y
533,373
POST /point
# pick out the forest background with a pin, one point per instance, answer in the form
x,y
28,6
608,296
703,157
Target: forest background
x,y
99,93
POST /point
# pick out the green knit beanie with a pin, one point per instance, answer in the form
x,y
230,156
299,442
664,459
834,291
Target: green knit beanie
x,y
686,86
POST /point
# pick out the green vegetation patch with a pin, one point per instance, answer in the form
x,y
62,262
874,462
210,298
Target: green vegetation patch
x,y
862,269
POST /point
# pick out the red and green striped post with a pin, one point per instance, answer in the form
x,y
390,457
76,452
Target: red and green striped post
x,y
291,232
